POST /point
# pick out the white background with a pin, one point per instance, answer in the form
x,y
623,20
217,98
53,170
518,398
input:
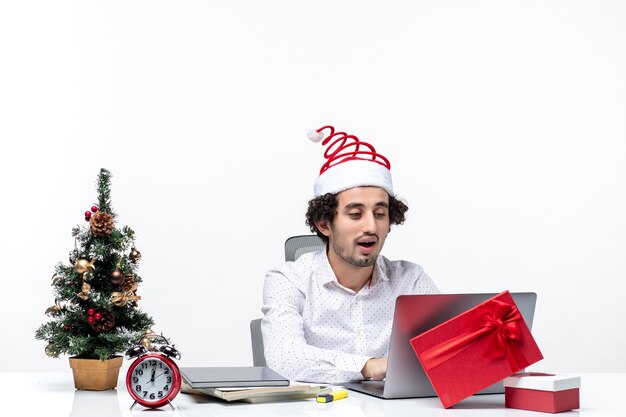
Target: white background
x,y
504,122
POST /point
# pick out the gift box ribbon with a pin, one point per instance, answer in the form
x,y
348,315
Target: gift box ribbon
x,y
495,319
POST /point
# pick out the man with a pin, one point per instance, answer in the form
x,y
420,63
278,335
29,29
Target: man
x,y
327,316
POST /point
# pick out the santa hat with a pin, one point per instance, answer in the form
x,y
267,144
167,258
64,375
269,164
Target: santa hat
x,y
350,163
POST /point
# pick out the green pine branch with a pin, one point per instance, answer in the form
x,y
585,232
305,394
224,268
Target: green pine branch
x,y
103,186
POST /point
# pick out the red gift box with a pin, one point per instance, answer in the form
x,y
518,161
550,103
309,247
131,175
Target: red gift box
x,y
542,392
476,349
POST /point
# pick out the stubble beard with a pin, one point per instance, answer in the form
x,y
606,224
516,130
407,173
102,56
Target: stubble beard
x,y
353,260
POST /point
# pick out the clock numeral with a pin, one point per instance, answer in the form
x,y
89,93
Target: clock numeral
x,y
160,394
138,388
152,362
166,388
135,379
152,397
145,393
169,379
138,371
167,371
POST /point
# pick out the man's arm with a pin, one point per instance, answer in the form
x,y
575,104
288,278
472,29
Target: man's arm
x,y
286,349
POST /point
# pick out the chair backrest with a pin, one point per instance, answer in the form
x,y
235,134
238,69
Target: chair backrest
x,y
298,245
294,247
258,356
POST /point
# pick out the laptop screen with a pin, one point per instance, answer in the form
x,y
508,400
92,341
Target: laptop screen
x,y
415,314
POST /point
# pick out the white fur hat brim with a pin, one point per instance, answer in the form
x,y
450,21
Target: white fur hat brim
x,y
351,174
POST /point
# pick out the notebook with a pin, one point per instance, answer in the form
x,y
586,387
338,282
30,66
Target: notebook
x,y
414,314
260,394
232,376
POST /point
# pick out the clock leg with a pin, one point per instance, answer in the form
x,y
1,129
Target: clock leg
x,y
170,403
131,407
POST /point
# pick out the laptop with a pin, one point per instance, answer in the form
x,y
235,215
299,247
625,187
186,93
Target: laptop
x,y
415,314
232,376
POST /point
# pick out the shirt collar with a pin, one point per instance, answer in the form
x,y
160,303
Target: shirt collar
x,y
325,272
379,272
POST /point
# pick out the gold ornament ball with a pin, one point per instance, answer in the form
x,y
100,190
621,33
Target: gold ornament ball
x,y
146,343
83,265
49,350
135,255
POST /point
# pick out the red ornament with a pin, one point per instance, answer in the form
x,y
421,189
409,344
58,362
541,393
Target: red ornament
x,y
66,327
87,218
87,214
91,311
94,208
90,319
98,316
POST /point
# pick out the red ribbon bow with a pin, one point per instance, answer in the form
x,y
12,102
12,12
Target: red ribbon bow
x,y
495,319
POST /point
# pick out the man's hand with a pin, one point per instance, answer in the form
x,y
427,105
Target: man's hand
x,y
375,368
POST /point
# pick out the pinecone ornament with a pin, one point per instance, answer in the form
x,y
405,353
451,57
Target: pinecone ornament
x,y
101,224
129,283
130,287
105,323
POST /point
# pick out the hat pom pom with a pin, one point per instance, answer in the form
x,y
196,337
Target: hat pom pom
x,y
315,136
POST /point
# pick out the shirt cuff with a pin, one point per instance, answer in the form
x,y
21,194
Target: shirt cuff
x,y
349,366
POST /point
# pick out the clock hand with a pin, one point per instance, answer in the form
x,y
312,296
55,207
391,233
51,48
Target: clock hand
x,y
158,376
152,377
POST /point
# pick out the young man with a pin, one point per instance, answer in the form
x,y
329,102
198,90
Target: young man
x,y
327,316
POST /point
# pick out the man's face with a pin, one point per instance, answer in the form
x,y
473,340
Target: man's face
x,y
360,227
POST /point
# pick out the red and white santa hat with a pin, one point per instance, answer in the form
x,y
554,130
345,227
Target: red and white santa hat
x,y
350,163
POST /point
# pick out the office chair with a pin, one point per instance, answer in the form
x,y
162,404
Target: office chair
x,y
298,245
295,246
258,356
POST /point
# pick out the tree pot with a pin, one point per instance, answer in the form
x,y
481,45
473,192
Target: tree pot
x,y
94,374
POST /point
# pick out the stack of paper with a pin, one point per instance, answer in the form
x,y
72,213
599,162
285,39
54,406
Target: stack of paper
x,y
250,384
260,394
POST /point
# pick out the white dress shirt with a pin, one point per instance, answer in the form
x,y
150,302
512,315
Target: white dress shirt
x,y
316,330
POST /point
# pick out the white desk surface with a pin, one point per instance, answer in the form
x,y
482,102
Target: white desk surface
x,y
53,394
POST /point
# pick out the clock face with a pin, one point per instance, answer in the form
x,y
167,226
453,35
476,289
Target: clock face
x,y
153,380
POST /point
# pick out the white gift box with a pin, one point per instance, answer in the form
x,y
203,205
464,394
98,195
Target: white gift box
x,y
542,392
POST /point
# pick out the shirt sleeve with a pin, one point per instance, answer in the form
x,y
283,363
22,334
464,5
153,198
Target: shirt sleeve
x,y
424,285
285,347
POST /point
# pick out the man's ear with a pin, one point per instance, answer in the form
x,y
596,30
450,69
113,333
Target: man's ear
x,y
324,227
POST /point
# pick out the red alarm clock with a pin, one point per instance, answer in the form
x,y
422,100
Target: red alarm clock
x,y
153,379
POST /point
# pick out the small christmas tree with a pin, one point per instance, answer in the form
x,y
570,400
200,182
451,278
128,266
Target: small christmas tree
x,y
95,314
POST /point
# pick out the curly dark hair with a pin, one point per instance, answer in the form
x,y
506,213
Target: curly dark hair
x,y
324,207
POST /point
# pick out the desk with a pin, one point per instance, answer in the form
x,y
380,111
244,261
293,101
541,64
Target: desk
x,y
53,394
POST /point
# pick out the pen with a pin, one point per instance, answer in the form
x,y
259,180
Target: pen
x,y
333,396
